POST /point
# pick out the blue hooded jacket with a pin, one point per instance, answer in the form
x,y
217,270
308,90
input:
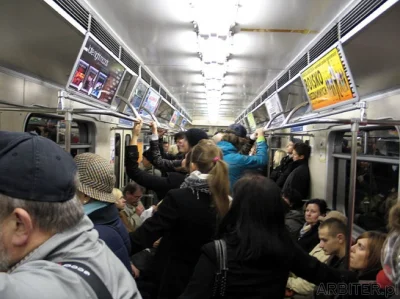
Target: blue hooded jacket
x,y
239,163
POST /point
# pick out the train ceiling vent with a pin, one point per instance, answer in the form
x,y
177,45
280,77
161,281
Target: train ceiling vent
x,y
330,38
272,89
145,76
361,11
163,93
104,37
169,99
76,11
298,66
283,79
155,85
264,96
129,61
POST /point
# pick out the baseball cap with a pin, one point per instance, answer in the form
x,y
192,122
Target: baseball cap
x,y
35,168
96,177
239,130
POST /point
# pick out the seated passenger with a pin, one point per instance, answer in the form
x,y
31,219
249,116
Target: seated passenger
x,y
260,252
283,165
120,201
134,208
297,174
160,185
294,218
95,189
231,144
300,288
186,220
44,231
192,137
308,236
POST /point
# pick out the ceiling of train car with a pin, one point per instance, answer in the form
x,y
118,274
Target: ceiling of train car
x,y
162,36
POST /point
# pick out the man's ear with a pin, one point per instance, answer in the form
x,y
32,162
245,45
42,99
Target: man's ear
x,y
22,227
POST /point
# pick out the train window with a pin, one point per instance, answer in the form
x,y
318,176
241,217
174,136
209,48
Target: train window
x,y
377,175
54,128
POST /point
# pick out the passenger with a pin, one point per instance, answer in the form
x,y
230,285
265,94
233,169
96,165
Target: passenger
x,y
298,174
285,162
95,189
231,144
279,157
134,208
186,220
300,288
260,252
308,236
160,185
43,227
294,218
192,137
120,201
248,143
150,196
166,146
173,150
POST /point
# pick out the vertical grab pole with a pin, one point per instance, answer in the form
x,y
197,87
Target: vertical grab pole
x,y
68,120
269,155
352,190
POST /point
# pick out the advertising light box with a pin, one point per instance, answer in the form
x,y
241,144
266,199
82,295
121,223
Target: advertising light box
x,y
137,96
96,74
328,81
150,103
251,121
174,119
274,107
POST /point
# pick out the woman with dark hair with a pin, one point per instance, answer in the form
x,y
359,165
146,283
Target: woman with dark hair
x,y
308,236
260,251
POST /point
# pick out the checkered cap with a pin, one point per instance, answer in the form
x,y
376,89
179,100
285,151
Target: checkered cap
x,y
96,177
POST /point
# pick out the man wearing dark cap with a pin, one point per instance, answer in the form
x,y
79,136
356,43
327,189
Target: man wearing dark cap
x,y
239,130
192,137
48,247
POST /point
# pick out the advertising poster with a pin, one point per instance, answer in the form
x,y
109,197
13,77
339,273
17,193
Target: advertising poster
x,y
137,97
112,150
327,81
184,123
252,122
97,73
274,107
174,119
150,103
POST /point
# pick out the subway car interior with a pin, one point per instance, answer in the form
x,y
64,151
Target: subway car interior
x,y
325,73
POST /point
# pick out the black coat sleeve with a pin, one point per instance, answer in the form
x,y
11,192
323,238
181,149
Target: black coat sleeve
x,y
312,270
245,150
202,281
164,165
155,227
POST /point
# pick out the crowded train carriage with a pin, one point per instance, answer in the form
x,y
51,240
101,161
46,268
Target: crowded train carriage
x,y
199,149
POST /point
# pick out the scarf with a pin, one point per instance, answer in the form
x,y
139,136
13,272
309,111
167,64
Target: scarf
x,y
306,228
197,182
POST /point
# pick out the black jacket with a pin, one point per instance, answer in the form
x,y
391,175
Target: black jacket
x,y
310,239
113,232
160,185
294,221
280,170
263,278
185,224
298,178
164,165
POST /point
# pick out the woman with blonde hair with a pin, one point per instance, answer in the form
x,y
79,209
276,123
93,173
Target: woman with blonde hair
x,y
186,220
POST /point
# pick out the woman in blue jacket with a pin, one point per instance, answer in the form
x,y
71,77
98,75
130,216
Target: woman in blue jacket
x,y
230,144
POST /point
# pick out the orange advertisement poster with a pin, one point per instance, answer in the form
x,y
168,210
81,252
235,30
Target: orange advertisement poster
x,y
327,81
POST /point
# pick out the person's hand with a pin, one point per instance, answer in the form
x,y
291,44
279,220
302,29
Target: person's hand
x,y
153,127
137,128
154,209
139,209
260,132
161,132
135,271
156,243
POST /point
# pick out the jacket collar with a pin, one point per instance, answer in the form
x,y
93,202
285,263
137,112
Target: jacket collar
x,y
227,147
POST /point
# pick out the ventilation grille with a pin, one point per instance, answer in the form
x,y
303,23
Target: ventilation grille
x,y
272,89
163,93
145,76
284,79
264,96
298,66
129,61
75,10
169,100
324,43
103,36
155,85
358,14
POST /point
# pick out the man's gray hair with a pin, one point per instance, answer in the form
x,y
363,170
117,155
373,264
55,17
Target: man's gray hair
x,y
48,216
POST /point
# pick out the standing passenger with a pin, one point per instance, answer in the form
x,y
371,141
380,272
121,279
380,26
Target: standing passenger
x,y
95,191
43,227
283,165
186,220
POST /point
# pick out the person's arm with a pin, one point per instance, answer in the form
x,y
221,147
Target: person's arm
x,y
261,157
202,281
164,165
155,227
247,147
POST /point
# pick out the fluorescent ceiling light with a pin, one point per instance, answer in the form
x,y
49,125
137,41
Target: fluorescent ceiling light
x,y
214,48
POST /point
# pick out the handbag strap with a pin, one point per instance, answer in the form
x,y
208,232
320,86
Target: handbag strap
x,y
90,277
219,287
